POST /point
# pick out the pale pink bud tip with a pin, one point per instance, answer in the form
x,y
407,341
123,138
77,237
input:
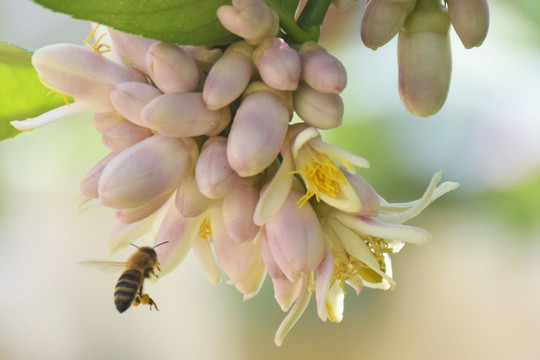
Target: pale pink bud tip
x,y
129,98
252,20
171,69
229,76
470,19
143,172
321,70
383,19
278,64
318,109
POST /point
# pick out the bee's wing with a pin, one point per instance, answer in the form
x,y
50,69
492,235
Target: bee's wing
x,y
107,266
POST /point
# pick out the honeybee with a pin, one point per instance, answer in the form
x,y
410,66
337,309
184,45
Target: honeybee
x,y
129,287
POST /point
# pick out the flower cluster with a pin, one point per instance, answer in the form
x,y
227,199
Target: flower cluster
x,y
424,58
204,155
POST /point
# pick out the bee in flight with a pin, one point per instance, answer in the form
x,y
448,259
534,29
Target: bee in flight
x,y
129,287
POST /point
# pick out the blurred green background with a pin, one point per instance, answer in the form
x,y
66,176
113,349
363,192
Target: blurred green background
x,y
472,293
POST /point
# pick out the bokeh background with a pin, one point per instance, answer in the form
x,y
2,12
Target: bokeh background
x,y
472,293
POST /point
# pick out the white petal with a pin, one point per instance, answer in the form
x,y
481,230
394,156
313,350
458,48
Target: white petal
x,y
322,283
339,154
334,302
205,257
123,234
297,310
62,112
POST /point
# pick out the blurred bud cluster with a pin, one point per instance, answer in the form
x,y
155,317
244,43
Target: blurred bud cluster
x,y
424,56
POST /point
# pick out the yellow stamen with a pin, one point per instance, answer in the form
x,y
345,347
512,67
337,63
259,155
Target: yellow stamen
x,y
322,176
56,93
96,46
205,231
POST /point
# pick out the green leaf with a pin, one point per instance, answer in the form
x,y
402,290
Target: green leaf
x,y
187,22
21,95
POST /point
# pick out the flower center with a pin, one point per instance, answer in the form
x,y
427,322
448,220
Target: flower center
x,y
323,176
205,232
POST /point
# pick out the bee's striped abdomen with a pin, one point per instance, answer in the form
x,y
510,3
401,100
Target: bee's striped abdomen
x,y
126,289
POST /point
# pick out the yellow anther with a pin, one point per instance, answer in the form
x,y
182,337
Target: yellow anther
x,y
205,231
96,46
56,93
323,176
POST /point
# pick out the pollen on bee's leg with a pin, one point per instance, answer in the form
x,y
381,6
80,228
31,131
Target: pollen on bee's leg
x,y
145,299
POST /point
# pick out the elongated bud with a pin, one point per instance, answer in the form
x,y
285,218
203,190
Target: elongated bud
x,y
383,19
123,135
252,20
278,64
321,70
143,172
258,130
129,98
171,69
470,19
183,115
80,72
215,177
189,200
89,185
131,47
229,76
318,109
295,238
238,209
424,59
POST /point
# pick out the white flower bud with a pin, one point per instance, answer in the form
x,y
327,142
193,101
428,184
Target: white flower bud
x,y
129,98
278,64
130,46
89,185
143,172
258,130
321,70
318,109
171,69
104,121
229,76
252,20
238,209
183,115
215,177
470,19
123,135
189,200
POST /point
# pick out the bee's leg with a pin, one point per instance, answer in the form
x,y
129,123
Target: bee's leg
x,y
146,299
137,301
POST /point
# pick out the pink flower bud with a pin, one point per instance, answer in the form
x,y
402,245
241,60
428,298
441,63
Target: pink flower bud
x,y
89,185
215,177
470,19
189,200
240,261
383,19
258,130
205,57
104,121
123,135
183,115
321,70
130,46
229,76
252,20
171,69
295,237
318,109
278,64
238,209
129,216
424,60
129,98
143,172
80,72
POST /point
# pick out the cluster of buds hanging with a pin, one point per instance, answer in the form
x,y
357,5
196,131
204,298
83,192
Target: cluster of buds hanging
x,y
424,56
205,155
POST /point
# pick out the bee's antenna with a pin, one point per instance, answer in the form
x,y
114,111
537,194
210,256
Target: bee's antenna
x,y
134,245
160,244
